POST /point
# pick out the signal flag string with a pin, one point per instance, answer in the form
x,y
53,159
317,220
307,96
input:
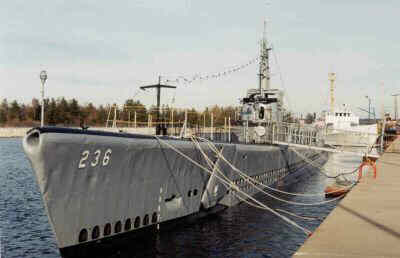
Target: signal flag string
x,y
197,77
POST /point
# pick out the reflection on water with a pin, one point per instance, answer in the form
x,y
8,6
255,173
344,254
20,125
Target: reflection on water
x,y
240,231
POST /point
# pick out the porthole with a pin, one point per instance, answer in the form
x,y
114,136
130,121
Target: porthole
x,y
95,232
195,192
107,229
146,220
128,224
118,227
137,222
154,218
83,235
189,193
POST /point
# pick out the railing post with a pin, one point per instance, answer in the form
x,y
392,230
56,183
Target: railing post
x,y
229,130
186,123
172,120
225,128
212,127
246,128
135,120
204,125
273,133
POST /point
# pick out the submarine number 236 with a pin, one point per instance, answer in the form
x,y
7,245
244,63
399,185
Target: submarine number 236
x,y
95,158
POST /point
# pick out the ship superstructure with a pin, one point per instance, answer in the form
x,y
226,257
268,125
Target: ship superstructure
x,y
263,103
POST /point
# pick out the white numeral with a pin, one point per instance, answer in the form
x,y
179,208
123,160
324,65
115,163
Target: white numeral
x,y
106,159
85,156
96,160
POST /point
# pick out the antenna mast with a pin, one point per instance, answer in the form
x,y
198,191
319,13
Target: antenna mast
x,y
264,73
158,87
332,78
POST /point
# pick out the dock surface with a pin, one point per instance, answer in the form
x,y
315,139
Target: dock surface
x,y
366,223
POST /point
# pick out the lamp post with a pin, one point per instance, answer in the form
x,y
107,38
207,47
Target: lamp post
x,y
369,107
43,78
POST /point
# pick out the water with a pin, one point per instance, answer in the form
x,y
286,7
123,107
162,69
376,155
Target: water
x,y
240,231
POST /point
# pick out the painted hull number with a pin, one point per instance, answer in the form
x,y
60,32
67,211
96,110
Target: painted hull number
x,y
95,159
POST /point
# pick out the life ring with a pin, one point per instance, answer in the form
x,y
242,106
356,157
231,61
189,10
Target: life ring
x,y
366,163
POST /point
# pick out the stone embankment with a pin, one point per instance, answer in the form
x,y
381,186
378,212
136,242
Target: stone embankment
x,y
21,131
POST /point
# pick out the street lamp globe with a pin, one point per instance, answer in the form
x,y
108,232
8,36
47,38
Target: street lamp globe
x,y
43,76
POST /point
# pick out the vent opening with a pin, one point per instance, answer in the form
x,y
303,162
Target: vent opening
x,y
95,232
137,222
83,235
107,229
118,227
128,224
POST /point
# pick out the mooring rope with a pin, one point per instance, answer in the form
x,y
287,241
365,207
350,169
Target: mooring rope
x,y
233,186
248,178
320,168
266,193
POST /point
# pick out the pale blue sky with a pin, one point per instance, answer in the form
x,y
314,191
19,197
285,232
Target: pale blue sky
x,y
102,51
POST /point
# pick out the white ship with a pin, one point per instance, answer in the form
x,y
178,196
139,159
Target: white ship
x,y
342,126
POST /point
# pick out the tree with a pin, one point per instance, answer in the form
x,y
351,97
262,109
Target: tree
x,y
23,113
3,111
74,111
64,116
14,111
141,111
90,112
101,116
193,117
52,114
36,108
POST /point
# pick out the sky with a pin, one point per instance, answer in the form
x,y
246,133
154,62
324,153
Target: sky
x,y
103,51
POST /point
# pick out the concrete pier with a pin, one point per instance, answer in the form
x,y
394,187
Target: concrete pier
x,y
366,223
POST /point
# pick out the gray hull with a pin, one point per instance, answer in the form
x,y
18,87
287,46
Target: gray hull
x,y
114,183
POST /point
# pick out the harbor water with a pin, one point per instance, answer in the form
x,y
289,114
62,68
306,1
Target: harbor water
x,y
240,231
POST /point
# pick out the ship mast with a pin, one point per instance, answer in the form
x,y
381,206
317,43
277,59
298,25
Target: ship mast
x,y
158,87
332,78
264,73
